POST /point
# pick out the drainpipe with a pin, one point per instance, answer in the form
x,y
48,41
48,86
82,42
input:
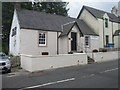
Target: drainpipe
x,y
103,33
112,34
57,44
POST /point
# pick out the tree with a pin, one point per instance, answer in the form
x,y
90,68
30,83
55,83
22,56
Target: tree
x,y
7,13
58,8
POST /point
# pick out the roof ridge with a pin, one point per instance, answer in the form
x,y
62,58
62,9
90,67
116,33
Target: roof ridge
x,y
47,13
98,9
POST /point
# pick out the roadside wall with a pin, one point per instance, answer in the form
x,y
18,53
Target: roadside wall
x,y
104,56
36,63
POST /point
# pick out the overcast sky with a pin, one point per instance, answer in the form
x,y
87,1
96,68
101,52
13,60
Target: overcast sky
x,y
76,5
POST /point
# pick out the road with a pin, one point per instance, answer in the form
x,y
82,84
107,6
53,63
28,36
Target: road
x,y
98,75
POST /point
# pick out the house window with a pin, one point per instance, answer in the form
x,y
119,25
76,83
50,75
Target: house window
x,y
107,40
14,31
42,39
87,41
106,22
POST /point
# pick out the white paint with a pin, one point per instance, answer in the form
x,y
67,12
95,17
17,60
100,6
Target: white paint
x,y
117,41
36,62
65,41
15,48
46,84
11,76
109,70
92,75
94,43
98,26
30,45
105,56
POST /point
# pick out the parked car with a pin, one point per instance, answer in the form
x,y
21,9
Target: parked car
x,y
5,65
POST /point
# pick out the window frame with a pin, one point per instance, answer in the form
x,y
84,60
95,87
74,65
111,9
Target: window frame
x,y
88,41
44,39
14,31
106,22
107,40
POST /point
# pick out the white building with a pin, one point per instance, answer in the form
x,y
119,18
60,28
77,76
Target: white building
x,y
39,33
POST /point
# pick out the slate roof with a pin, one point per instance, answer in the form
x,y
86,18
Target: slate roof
x,y
117,33
29,19
99,14
82,26
67,28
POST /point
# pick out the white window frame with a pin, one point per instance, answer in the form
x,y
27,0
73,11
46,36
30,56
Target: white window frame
x,y
42,39
88,41
14,31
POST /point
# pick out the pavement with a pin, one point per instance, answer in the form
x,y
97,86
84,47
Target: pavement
x,y
98,75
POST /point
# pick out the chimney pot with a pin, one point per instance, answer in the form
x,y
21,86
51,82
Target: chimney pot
x,y
114,10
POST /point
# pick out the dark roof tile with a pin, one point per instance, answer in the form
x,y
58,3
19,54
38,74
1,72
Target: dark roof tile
x,y
99,14
35,20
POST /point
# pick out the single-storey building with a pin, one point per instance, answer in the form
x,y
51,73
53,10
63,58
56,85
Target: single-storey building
x,y
40,33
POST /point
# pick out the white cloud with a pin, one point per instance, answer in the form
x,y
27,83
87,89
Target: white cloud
x,y
91,0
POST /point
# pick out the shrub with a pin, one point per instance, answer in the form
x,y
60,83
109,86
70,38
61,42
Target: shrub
x,y
15,61
10,55
95,50
70,52
81,51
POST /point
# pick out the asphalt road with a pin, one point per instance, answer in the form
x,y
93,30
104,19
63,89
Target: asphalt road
x,y
98,75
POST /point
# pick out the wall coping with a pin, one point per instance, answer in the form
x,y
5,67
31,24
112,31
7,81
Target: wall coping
x,y
41,56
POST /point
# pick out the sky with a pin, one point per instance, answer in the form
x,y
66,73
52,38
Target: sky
x,y
76,5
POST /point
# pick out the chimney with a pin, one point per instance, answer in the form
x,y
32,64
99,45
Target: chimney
x,y
114,11
17,5
119,8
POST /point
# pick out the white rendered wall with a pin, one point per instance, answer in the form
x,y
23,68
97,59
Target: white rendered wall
x,y
34,63
98,26
30,42
14,42
105,56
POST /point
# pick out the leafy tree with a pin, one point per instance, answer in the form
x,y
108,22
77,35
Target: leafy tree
x,y
58,8
7,13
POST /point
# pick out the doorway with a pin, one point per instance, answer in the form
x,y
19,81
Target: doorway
x,y
74,41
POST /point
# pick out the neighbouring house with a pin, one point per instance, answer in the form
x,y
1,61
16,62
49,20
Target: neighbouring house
x,y
40,33
116,36
102,23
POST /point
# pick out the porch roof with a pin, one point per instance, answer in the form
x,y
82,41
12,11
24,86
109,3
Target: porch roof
x,y
117,33
82,26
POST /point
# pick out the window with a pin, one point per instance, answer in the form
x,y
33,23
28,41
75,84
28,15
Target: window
x,y
14,31
107,40
106,22
42,39
87,41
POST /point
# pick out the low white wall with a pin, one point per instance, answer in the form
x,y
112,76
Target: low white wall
x,y
105,56
36,63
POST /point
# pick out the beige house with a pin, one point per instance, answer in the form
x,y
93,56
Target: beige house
x,y
40,33
102,23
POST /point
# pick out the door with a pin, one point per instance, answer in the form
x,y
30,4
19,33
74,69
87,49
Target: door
x,y
74,41
107,40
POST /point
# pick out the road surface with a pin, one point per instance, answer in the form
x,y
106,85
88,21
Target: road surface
x,y
98,75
